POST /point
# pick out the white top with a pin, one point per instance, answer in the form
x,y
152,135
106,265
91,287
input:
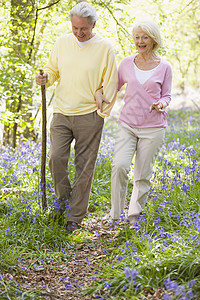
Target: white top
x,y
82,44
142,75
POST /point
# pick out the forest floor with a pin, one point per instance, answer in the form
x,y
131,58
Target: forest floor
x,y
84,256
66,279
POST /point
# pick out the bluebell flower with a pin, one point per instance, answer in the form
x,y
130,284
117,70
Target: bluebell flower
x,y
173,286
127,244
119,258
131,274
87,260
105,251
136,258
68,285
107,285
167,297
62,278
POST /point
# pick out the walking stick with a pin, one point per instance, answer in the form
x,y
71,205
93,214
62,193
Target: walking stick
x,y
44,138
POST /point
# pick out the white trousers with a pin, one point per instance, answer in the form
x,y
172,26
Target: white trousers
x,y
145,143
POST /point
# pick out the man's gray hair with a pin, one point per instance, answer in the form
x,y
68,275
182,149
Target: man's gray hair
x,y
84,10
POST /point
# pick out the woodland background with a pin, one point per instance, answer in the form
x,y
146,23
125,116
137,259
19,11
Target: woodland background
x,y
159,257
29,28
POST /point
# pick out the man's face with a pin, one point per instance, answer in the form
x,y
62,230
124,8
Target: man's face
x,y
81,28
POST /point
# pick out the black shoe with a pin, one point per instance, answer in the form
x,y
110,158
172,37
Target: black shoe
x,y
71,226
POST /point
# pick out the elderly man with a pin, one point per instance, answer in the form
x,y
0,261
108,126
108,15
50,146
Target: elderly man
x,y
81,62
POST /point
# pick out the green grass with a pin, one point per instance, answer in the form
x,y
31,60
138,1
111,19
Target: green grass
x,y
160,255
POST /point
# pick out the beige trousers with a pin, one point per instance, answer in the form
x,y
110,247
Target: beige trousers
x,y
145,142
86,130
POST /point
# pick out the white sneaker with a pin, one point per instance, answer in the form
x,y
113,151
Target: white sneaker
x,y
107,222
133,220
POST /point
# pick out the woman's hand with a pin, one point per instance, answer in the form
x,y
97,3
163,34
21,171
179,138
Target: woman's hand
x,y
99,98
157,106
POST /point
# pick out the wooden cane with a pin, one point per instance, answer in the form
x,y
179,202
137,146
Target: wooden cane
x,y
44,142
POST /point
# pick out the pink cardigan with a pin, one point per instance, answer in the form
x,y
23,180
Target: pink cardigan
x,y
139,97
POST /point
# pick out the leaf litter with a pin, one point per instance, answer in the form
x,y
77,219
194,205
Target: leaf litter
x,y
67,278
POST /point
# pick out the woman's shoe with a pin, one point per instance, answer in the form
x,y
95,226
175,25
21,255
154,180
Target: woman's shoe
x,y
133,220
107,222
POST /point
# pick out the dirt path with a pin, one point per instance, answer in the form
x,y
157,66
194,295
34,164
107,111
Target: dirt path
x,y
72,273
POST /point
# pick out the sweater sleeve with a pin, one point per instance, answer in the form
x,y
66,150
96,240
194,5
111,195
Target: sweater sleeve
x,y
166,87
121,81
110,83
51,68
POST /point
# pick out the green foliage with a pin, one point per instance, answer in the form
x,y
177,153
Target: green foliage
x,y
160,254
179,24
165,243
29,30
25,39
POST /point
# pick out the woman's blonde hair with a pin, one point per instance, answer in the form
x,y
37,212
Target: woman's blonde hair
x,y
151,29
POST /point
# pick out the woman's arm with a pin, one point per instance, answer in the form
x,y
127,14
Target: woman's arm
x,y
165,92
99,98
166,87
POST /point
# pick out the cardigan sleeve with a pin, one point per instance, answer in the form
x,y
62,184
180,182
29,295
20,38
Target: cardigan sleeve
x,y
166,87
121,81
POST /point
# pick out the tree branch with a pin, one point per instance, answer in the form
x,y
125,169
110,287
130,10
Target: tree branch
x,y
45,7
35,25
114,18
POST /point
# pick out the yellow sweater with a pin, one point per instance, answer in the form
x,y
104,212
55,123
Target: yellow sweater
x,y
80,72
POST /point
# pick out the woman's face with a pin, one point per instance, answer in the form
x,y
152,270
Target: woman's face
x,y
143,42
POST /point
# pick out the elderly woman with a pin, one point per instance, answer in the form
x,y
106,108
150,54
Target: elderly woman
x,y
142,121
